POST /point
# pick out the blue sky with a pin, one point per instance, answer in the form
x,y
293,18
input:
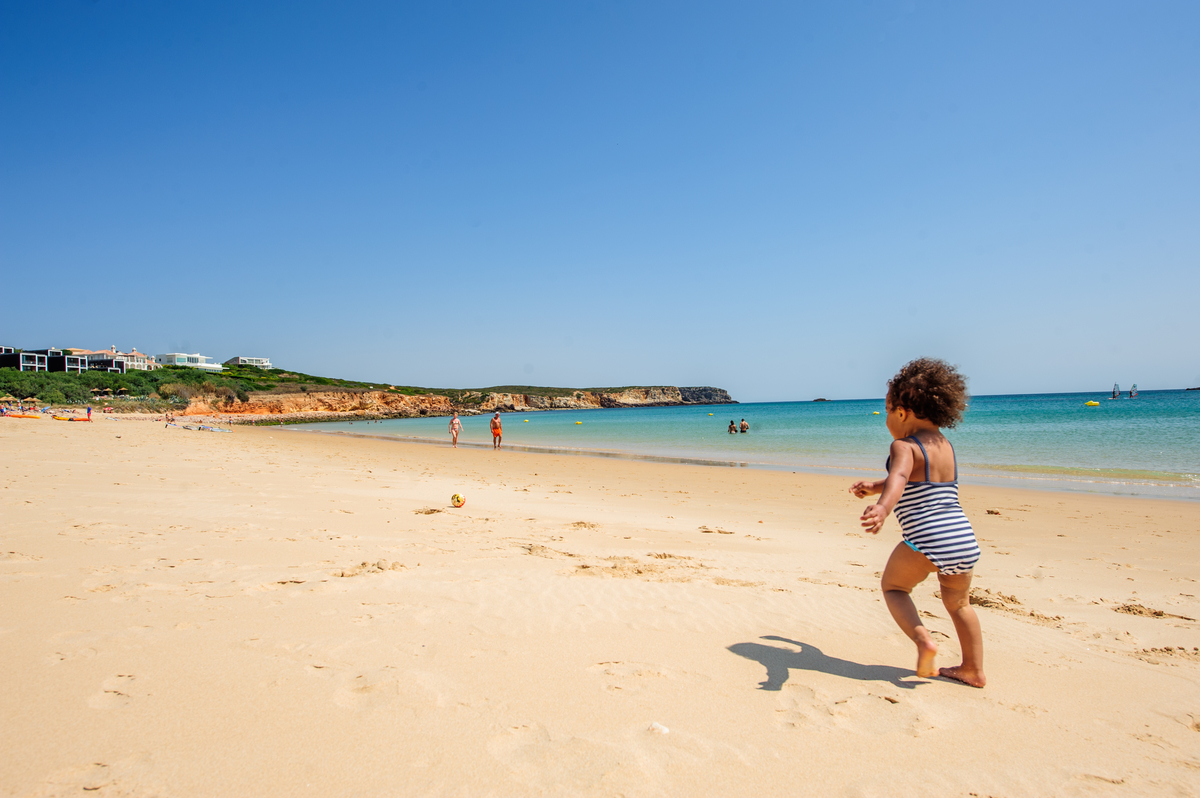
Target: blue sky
x,y
787,200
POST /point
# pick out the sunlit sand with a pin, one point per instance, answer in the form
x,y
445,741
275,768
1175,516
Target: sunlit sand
x,y
270,612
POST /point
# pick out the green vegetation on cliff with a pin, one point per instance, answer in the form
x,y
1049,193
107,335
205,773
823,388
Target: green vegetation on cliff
x,y
178,384
172,383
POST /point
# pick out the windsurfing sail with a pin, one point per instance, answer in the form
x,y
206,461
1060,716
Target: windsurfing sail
x,y
1116,391
1133,391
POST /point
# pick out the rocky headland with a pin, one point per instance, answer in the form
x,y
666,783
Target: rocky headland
x,y
352,405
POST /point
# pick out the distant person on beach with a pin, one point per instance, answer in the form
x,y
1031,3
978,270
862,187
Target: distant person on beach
x,y
497,432
89,412
455,428
732,427
923,397
744,426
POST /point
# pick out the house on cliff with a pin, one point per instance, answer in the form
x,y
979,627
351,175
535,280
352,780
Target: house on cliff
x,y
41,360
195,361
260,362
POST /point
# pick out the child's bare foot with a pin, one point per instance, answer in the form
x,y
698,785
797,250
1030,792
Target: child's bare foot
x,y
960,673
926,654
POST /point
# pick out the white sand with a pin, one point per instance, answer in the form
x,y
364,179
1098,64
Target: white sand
x,y
175,623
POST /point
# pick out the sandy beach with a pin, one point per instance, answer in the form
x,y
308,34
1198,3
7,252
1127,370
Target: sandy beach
x,y
274,612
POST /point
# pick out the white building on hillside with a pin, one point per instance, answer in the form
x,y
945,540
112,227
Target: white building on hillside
x,y
261,362
111,359
191,361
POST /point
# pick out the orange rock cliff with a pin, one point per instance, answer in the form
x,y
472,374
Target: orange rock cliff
x,y
385,404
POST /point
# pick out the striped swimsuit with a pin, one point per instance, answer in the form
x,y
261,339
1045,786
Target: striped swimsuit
x,y
933,522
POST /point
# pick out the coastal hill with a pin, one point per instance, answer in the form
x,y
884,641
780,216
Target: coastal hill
x,y
392,403
251,391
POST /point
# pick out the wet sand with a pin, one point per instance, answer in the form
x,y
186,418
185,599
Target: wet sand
x,y
271,612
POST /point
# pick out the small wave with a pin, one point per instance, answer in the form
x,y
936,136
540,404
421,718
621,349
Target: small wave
x,y
1097,474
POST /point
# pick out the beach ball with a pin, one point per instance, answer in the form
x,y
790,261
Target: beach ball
x,y
458,500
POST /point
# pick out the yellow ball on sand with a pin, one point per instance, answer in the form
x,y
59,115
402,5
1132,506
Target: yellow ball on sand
x,y
458,500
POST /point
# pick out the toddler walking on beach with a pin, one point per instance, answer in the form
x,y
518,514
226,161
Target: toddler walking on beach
x,y
923,397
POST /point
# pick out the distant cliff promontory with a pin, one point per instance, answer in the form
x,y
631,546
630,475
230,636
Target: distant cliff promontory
x,y
253,394
388,404
658,396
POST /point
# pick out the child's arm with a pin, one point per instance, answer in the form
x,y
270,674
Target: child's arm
x,y
863,488
893,486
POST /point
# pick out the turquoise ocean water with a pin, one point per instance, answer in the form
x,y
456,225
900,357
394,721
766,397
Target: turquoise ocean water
x,y
1148,445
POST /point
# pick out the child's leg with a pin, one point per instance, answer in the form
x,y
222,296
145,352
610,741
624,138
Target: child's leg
x,y
905,570
956,596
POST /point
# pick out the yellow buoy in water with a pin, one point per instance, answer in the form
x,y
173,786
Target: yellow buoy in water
x,y
578,422
526,421
875,413
710,414
1092,404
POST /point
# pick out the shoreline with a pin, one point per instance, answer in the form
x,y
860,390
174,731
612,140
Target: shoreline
x,y
1050,481
1039,478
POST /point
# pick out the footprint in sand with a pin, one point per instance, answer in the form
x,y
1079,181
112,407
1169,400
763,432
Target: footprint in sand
x,y
366,690
565,764
879,714
131,776
114,693
16,556
801,708
73,654
628,677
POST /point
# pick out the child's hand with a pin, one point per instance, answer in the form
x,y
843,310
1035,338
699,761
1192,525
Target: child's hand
x,y
862,489
873,518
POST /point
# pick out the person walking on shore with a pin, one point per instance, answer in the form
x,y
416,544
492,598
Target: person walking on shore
x,y
497,431
455,428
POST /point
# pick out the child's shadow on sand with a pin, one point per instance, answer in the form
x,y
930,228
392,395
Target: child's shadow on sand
x,y
780,661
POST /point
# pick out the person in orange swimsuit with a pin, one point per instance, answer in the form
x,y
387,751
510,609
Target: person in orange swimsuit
x,y
497,432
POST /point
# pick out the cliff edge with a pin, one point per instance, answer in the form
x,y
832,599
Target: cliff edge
x,y
386,404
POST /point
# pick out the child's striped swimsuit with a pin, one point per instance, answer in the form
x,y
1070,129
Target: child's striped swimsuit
x,y
934,524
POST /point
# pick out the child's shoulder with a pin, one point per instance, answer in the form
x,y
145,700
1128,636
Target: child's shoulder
x,y
902,450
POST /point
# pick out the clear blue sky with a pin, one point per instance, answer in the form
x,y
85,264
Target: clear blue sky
x,y
787,200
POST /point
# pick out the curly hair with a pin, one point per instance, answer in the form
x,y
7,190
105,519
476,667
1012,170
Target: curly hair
x,y
930,388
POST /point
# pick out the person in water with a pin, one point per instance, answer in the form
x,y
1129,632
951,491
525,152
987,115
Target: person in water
x,y
925,396
732,427
497,431
744,427
455,428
